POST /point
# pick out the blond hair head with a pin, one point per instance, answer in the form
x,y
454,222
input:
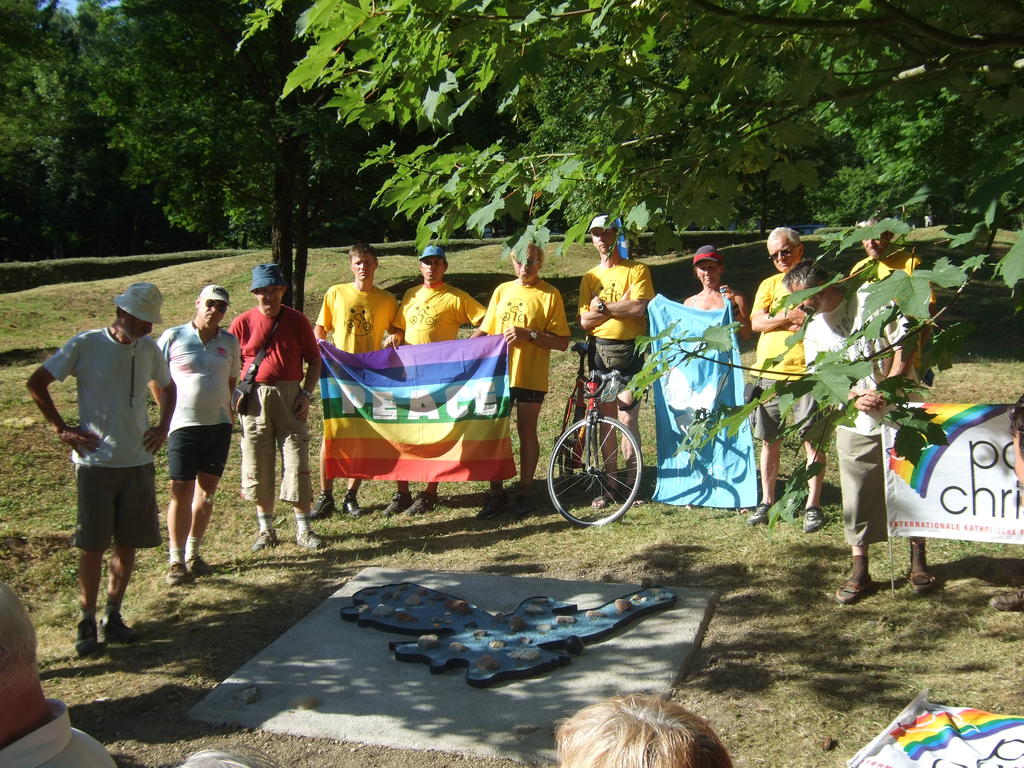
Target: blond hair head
x,y
638,731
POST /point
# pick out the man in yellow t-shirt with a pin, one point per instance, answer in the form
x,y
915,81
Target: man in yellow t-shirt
x,y
359,314
433,311
879,251
529,312
613,310
777,362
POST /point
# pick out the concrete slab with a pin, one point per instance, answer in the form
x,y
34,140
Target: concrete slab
x,y
328,678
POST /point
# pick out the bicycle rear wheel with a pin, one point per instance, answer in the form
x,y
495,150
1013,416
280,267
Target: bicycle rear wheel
x,y
589,481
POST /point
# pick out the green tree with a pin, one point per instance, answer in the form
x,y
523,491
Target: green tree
x,y
203,121
708,97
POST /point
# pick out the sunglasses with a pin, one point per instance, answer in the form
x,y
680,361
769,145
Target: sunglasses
x,y
780,254
222,306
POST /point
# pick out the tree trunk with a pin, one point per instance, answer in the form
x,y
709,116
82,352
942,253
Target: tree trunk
x,y
301,233
282,214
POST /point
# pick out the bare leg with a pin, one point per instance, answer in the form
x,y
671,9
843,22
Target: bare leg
x,y
122,563
90,564
770,455
202,504
181,511
326,483
527,415
814,484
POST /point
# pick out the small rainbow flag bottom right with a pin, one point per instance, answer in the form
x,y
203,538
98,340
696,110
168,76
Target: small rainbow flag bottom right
x,y
926,734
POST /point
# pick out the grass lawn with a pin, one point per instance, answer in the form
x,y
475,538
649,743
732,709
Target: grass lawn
x,y
782,670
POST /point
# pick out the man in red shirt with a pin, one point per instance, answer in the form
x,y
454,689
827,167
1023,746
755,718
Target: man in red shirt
x,y
273,416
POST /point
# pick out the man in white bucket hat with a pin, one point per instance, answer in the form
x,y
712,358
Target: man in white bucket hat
x,y
112,448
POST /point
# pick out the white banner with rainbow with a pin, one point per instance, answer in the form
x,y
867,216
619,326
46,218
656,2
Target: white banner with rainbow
x,y
926,734
963,490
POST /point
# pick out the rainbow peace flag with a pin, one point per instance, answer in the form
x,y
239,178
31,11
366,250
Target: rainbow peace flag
x,y
926,734
426,412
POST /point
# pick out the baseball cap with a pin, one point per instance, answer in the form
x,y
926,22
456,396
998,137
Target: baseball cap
x,y
141,300
216,292
600,222
266,275
706,252
433,250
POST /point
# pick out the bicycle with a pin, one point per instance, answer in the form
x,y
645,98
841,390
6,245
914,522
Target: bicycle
x,y
585,483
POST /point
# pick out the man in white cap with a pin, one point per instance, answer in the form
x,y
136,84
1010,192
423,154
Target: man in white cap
x,y
204,360
613,311
112,448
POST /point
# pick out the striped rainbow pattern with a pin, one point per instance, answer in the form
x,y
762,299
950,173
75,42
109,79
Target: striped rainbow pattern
x,y
427,412
933,731
954,418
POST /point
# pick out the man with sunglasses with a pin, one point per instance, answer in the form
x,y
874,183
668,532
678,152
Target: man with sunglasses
x,y
204,360
281,359
775,361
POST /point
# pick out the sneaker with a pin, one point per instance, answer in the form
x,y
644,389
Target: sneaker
x,y
813,519
494,506
424,503
399,503
176,575
309,540
324,506
1005,601
264,540
114,630
198,567
760,516
88,642
351,506
523,506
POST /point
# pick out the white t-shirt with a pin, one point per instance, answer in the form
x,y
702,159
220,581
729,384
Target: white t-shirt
x,y
830,331
201,373
56,745
113,389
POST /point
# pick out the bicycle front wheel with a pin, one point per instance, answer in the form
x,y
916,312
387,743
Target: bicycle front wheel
x,y
594,471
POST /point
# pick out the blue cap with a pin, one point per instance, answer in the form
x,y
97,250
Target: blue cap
x,y
433,250
266,275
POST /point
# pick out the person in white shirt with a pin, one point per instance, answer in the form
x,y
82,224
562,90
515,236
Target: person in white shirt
x,y
204,360
112,449
35,732
835,317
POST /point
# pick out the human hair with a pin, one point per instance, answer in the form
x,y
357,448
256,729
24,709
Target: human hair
x,y
1017,419
215,758
806,274
638,731
789,234
17,641
362,249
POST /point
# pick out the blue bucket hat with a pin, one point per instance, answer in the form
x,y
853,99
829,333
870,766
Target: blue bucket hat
x,y
266,275
433,250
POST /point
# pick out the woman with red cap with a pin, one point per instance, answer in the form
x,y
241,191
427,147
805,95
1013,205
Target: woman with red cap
x,y
709,266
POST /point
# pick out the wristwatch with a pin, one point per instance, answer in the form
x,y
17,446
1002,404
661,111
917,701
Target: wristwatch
x,y
534,335
602,307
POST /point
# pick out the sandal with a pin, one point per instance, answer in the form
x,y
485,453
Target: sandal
x,y
851,591
921,582
602,501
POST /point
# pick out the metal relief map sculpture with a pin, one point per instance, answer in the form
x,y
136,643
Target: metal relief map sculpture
x,y
539,635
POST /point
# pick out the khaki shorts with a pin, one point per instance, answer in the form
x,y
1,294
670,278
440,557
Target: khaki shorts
x,y
116,503
271,428
766,420
862,478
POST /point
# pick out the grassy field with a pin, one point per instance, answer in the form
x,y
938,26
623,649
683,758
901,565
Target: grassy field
x,y
781,668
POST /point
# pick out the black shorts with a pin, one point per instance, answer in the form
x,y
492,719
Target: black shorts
x,y
521,395
606,355
191,450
